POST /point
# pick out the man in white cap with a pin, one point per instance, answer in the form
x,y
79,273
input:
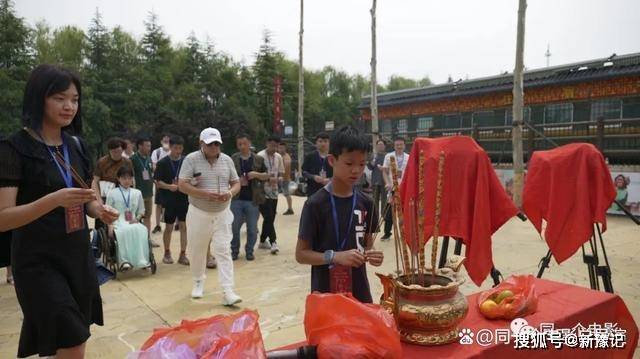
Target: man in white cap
x,y
209,177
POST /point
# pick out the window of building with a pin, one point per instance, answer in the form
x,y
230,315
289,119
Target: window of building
x,y
452,121
425,123
385,127
403,126
558,113
631,107
487,119
606,109
508,116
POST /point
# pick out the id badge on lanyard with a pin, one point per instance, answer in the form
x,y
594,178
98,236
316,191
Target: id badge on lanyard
x,y
128,215
244,178
340,276
73,216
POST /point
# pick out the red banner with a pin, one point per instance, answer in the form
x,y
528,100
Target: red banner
x,y
277,105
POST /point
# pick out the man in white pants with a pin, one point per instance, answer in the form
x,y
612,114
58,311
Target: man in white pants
x,y
209,178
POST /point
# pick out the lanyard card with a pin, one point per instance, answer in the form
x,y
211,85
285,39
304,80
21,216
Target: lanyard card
x,y
74,218
340,280
145,175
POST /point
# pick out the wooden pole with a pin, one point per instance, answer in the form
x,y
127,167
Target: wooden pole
x,y
518,105
300,93
374,80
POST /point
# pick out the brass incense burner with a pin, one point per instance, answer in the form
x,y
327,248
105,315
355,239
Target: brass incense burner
x,y
427,313
426,302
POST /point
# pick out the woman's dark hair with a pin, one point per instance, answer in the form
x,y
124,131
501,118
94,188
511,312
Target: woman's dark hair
x,y
273,138
176,140
399,139
381,140
348,139
114,142
124,171
45,81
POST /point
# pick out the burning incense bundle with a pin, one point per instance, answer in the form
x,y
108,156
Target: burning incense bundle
x,y
397,216
436,224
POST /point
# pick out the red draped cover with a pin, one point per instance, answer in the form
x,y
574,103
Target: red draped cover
x,y
570,187
474,203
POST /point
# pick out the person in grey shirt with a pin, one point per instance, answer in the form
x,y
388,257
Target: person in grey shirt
x,y
209,178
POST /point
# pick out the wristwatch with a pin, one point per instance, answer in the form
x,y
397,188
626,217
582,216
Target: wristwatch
x,y
328,256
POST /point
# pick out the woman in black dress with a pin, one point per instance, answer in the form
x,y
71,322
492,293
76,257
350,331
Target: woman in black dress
x,y
43,206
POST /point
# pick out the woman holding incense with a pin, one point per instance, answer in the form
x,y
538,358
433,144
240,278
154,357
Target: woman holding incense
x,y
44,200
132,236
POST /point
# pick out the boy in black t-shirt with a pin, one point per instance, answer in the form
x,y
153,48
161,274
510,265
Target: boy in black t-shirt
x,y
176,203
337,221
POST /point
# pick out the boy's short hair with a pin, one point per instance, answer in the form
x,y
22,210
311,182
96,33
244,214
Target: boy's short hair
x,y
176,140
114,143
398,138
273,138
141,140
322,135
125,171
242,135
349,139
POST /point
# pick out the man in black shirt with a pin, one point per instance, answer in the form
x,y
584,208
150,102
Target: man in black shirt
x,y
245,205
176,203
377,182
336,225
315,167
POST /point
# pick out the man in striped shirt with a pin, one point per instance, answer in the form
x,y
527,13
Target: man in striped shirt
x,y
209,178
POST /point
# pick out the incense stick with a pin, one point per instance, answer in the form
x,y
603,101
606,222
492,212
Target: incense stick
x,y
397,212
420,215
436,225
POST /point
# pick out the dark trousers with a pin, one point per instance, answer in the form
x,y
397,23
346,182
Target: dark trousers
x,y
388,220
268,212
379,198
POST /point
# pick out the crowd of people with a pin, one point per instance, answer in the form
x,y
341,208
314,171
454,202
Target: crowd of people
x,y
49,185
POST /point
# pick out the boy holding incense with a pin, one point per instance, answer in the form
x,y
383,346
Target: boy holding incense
x,y
337,222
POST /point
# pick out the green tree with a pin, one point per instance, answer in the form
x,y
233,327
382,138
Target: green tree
x,y
264,70
68,47
15,64
401,83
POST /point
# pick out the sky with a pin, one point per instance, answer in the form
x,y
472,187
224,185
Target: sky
x,y
416,38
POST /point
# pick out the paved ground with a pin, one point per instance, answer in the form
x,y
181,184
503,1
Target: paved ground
x,y
276,286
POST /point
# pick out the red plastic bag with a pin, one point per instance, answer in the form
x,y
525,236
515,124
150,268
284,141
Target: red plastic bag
x,y
514,298
342,327
221,336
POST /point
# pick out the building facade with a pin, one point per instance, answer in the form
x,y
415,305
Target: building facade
x,y
595,101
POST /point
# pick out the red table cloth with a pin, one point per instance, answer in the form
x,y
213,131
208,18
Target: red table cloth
x,y
570,187
474,203
565,306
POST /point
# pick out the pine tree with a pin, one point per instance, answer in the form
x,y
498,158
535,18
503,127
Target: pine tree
x,y
264,70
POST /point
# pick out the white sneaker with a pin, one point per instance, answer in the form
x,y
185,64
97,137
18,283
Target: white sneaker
x,y
264,245
198,288
230,298
274,248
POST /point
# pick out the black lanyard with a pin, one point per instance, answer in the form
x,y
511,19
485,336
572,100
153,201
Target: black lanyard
x,y
176,171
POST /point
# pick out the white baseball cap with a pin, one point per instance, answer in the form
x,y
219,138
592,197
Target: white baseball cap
x,y
209,135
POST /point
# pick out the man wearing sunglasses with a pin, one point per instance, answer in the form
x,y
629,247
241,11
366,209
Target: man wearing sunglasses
x,y
209,178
